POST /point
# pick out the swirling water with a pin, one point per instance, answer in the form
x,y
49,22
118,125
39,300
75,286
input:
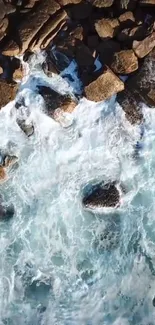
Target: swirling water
x,y
61,264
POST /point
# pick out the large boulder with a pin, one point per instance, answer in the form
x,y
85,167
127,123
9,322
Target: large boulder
x,y
144,47
131,103
102,195
107,28
103,86
102,3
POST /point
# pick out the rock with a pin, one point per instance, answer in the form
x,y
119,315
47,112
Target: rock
x,y
27,128
142,48
80,11
3,175
131,103
67,2
54,100
102,195
102,3
126,4
107,49
107,28
127,19
92,41
6,212
138,33
124,62
147,2
49,30
7,160
29,27
7,92
153,302
104,86
83,56
77,33
3,27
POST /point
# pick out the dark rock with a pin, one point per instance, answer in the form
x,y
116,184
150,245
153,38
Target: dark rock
x,y
127,19
28,129
54,100
80,11
107,49
124,62
6,213
142,48
138,33
153,302
102,195
103,86
92,41
107,28
131,103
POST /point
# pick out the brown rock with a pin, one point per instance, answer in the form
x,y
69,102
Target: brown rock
x,y
106,28
67,2
104,87
127,19
18,74
124,62
3,27
106,50
30,26
77,33
49,30
142,48
3,175
80,11
130,101
103,3
147,2
7,92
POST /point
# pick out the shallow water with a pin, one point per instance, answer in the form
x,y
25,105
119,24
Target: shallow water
x,y
61,264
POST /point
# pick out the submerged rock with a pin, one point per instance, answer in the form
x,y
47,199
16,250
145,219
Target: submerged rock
x,y
7,212
28,129
102,195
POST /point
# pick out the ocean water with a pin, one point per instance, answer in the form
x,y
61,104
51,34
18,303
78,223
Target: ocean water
x,y
59,263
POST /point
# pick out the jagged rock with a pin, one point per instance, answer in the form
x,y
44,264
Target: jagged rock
x,y
27,128
80,11
124,62
49,30
104,86
54,100
147,2
107,28
7,92
102,3
131,103
7,160
138,33
107,49
142,48
102,195
127,19
30,26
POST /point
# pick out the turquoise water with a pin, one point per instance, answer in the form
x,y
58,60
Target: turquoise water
x,y
61,264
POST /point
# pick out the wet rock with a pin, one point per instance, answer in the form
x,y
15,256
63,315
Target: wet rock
x,y
27,128
104,86
3,175
7,92
102,195
107,28
54,100
7,160
6,213
124,62
131,103
142,48
30,26
153,302
80,11
103,3
107,49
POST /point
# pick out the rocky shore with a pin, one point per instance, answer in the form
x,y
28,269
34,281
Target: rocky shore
x,y
117,35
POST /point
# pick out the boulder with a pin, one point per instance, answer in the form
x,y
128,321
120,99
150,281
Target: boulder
x,y
102,195
6,212
3,27
104,86
127,19
102,3
131,103
67,2
80,11
142,48
27,128
138,33
7,92
107,28
3,175
30,26
54,100
124,62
